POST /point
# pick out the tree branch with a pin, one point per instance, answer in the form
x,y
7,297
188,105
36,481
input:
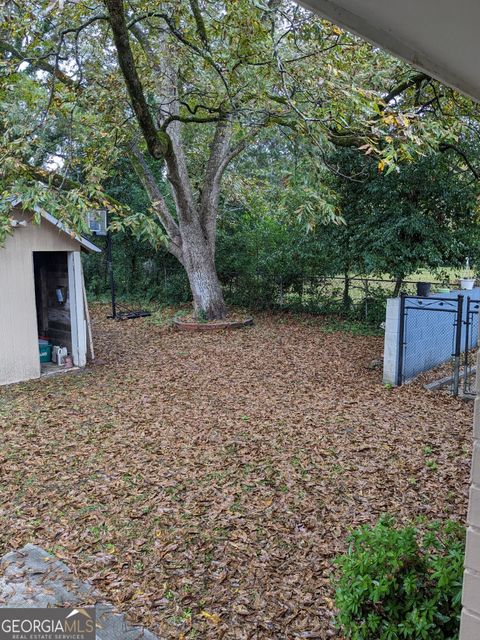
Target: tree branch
x,y
221,155
158,142
37,63
149,182
62,183
181,37
189,119
446,146
165,76
209,196
403,86
234,152
84,25
199,21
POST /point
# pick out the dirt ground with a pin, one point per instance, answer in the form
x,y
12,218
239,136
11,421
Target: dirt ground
x,y
205,482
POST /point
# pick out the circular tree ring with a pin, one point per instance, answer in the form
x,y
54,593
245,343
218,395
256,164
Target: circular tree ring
x,y
191,325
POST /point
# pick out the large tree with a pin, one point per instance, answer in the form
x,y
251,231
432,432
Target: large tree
x,y
182,87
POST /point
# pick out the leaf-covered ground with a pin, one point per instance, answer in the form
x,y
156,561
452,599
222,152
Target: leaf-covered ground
x,y
205,482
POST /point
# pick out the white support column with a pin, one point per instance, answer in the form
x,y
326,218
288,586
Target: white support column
x,y
392,341
77,311
470,622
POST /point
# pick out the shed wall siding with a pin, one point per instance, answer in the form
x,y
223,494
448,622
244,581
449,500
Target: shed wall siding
x,y
19,358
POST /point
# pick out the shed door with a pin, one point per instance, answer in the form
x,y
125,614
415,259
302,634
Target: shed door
x,y
77,309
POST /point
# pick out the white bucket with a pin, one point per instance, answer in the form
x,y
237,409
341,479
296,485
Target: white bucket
x,y
467,283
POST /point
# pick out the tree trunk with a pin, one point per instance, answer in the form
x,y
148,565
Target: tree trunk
x,y
192,232
192,238
398,287
199,264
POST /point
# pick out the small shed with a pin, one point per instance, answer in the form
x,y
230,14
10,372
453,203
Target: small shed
x,y
42,295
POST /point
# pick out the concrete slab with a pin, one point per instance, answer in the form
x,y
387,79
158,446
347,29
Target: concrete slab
x,y
49,369
31,577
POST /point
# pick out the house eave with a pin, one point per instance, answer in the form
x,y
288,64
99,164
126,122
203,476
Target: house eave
x,y
439,37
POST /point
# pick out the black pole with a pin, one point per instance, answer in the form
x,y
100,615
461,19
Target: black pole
x,y
110,272
401,340
458,346
466,354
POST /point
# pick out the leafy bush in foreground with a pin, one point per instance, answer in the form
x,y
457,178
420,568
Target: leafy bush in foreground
x,y
401,582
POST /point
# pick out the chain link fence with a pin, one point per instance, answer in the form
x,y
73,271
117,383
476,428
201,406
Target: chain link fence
x,y
439,334
356,297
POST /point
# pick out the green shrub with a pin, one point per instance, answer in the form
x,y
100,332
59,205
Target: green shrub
x,y
401,582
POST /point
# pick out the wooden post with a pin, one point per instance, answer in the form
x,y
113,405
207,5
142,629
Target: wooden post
x,y
90,349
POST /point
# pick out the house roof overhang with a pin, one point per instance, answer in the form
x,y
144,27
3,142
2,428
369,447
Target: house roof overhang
x,y
439,37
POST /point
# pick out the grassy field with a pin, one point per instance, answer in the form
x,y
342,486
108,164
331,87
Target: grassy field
x,y
446,275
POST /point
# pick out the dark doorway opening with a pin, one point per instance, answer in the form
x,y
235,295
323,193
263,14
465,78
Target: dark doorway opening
x,y
52,298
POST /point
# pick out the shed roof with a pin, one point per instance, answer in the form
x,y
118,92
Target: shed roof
x,y
86,244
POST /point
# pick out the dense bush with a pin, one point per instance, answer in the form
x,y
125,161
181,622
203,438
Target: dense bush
x,y
401,583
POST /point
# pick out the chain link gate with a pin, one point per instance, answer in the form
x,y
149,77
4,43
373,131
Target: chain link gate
x,y
470,346
432,332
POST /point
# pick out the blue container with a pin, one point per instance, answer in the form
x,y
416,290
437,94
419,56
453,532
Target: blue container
x,y
45,351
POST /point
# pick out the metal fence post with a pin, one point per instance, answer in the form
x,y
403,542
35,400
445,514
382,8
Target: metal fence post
x,y
458,346
365,295
401,339
466,349
111,275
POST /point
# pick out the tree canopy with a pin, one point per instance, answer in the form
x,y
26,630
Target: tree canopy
x,y
181,89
